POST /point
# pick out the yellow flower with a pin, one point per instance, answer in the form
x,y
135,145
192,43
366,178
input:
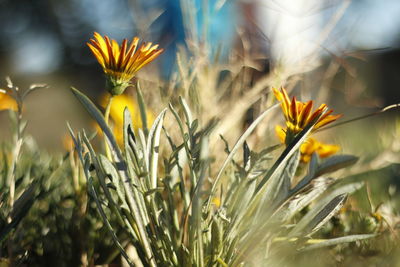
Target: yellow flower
x,y
7,102
67,142
299,114
120,64
117,114
310,146
216,201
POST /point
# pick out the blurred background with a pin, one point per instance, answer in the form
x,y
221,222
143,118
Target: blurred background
x,y
44,41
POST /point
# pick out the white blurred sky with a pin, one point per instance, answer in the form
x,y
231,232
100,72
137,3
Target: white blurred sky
x,y
294,27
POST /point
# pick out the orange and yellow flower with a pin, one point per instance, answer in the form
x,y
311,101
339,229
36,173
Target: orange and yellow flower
x,y
299,114
120,64
310,146
7,102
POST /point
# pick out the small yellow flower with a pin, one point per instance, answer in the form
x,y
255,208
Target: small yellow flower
x,y
216,201
299,114
120,64
67,142
7,102
117,114
310,146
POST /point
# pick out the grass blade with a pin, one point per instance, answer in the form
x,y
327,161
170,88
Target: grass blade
x,y
236,147
337,241
153,147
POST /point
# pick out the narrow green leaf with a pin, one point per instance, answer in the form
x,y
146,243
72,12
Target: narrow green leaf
x,y
335,163
142,108
325,214
186,111
337,241
127,128
142,144
153,144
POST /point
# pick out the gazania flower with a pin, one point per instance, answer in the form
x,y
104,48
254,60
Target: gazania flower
x,y
117,114
6,101
67,142
216,201
120,63
310,146
299,114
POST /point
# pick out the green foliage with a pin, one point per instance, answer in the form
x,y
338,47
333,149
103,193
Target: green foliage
x,y
168,212
46,217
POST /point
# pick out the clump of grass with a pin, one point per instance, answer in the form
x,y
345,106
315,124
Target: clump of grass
x,y
45,210
187,211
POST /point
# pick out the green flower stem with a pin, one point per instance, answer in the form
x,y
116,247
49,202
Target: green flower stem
x,y
142,109
106,118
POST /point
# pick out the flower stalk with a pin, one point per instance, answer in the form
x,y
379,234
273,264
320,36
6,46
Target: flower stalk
x,y
107,118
